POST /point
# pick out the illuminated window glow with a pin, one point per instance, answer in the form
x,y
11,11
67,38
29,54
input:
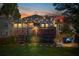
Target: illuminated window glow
x,y
15,25
42,25
46,25
19,25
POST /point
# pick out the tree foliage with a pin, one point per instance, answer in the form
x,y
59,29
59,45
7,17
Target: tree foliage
x,y
10,9
71,13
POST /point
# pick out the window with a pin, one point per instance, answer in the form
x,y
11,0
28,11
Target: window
x,y
42,25
6,25
19,25
46,25
15,26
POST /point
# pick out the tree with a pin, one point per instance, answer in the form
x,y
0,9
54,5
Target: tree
x,y
71,13
10,9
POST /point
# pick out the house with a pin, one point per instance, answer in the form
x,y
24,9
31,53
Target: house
x,y
4,26
39,21
46,23
19,27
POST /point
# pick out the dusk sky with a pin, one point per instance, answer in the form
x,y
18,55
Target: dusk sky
x,y
27,9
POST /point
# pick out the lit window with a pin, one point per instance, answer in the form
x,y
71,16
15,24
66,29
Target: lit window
x,y
15,25
19,25
46,25
42,25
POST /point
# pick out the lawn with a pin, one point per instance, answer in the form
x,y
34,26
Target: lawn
x,y
29,50
11,48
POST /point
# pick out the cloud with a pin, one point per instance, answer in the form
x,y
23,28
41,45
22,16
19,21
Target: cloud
x,y
25,10
25,15
31,11
28,11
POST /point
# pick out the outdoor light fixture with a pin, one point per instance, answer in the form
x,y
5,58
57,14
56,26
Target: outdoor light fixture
x,y
30,24
35,29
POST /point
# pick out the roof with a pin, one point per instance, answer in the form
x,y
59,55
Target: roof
x,y
19,20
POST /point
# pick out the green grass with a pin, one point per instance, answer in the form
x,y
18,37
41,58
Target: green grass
x,y
25,50
11,48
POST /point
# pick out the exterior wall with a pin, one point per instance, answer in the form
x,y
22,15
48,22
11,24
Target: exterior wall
x,y
4,27
19,30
